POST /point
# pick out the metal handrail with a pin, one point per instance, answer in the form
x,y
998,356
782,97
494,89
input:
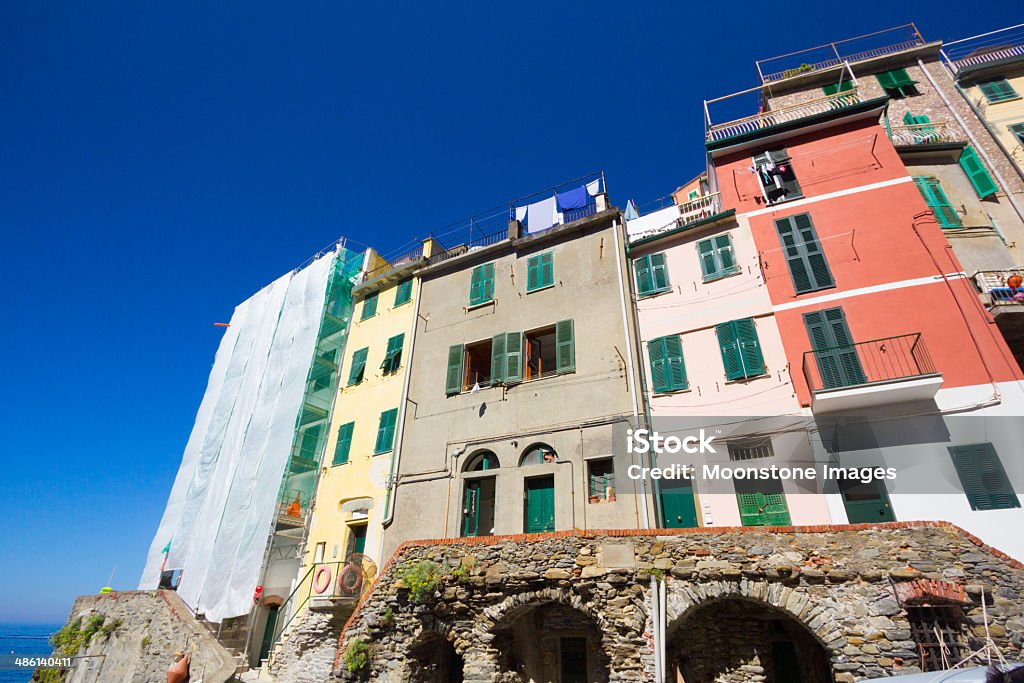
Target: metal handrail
x,y
394,263
869,362
994,283
836,61
839,100
924,133
700,208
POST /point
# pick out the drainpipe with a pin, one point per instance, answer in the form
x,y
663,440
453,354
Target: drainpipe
x,y
629,354
655,630
970,135
389,502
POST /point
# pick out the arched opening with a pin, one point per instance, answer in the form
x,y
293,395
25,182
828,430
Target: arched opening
x,y
731,639
538,454
434,660
481,461
550,642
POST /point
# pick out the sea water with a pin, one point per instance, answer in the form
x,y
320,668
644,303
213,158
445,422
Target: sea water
x,y
26,640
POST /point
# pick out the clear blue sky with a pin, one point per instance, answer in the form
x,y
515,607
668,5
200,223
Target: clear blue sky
x,y
162,161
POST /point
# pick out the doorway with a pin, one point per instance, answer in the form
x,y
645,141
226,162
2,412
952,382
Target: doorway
x,y
478,507
539,512
268,633
678,505
866,502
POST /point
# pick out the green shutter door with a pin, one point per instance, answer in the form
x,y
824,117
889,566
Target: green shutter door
x,y
481,286
403,292
471,509
723,250
539,272
497,359
866,503
369,306
804,255
565,347
358,532
668,370
547,269
513,357
979,177
540,505
453,379
833,348
344,445
678,505
488,282
998,90
730,348
763,509
983,477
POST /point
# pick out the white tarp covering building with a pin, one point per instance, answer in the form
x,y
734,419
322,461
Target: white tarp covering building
x,y
222,508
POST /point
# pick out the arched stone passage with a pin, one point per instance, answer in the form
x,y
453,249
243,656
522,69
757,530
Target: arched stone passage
x,y
735,638
547,636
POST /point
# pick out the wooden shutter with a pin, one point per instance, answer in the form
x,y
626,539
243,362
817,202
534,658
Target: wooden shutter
x,y
369,306
355,373
393,354
937,201
498,358
724,255
539,272
975,170
804,255
488,282
565,347
983,477
659,272
513,357
453,378
729,345
547,269
833,88
532,273
998,90
659,374
1018,131
675,370
834,349
403,292
481,286
706,252
642,266
386,431
344,445
886,80
749,347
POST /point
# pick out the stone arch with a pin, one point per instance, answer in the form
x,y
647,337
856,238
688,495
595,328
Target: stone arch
x,y
535,454
481,460
433,654
719,628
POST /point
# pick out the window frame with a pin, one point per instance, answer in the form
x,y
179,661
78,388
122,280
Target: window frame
x,y
358,361
716,252
403,292
645,266
537,267
731,332
386,429
344,436
608,483
369,308
481,285
897,84
1003,92
393,354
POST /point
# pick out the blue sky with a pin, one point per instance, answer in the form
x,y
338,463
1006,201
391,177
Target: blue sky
x,y
163,161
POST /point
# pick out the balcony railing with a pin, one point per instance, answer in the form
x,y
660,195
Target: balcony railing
x,y
1001,286
479,243
871,362
394,263
750,124
994,46
700,208
924,134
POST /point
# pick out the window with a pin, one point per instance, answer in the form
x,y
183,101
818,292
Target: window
x,y
386,431
310,442
976,173
482,461
540,272
393,355
454,375
356,541
355,373
804,255
344,445
741,350
1018,132
716,257
651,274
762,502
774,170
937,201
601,480
481,286
998,90
983,477
403,292
843,86
835,354
507,358
319,552
938,631
750,449
668,371
923,131
897,84
541,352
369,306
538,454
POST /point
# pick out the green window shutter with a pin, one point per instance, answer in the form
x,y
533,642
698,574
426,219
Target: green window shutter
x,y
982,475
886,80
344,445
749,347
453,378
539,272
498,358
481,288
513,357
355,373
644,284
723,252
659,273
1018,131
937,201
403,292
729,345
900,77
833,88
393,354
806,260
369,306
565,347
386,431
979,177
911,120
708,266
668,370
998,90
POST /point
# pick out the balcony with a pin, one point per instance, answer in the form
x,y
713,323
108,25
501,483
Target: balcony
x,y
994,48
700,208
925,134
776,117
871,373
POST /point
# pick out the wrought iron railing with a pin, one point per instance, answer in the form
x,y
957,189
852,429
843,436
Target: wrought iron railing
x,y
994,46
839,100
402,260
836,61
1003,287
925,134
571,215
869,362
479,243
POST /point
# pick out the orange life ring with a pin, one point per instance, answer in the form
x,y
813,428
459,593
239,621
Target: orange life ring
x,y
322,579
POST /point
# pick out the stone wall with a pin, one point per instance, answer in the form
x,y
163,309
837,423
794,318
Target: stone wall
x,y
823,597
153,626
305,653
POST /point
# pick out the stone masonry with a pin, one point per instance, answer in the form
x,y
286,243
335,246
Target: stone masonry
x,y
742,603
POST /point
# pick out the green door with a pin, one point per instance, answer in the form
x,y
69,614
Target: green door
x,y
540,505
356,540
471,509
867,503
833,349
762,502
678,506
268,633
